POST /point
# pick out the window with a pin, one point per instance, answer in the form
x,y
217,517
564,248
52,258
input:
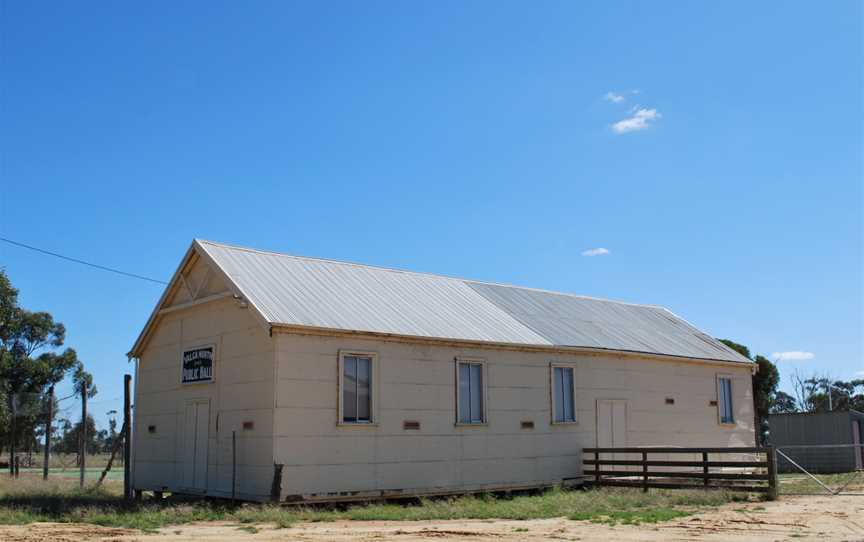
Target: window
x,y
563,407
356,388
469,392
724,399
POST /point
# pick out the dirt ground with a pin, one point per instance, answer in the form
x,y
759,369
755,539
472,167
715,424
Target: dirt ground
x,y
825,518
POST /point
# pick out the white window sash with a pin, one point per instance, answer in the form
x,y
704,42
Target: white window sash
x,y
357,389
471,407
563,395
724,385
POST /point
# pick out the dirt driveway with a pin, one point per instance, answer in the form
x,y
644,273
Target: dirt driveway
x,y
792,518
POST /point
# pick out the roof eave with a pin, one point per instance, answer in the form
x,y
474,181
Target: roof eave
x,y
196,248
294,328
148,326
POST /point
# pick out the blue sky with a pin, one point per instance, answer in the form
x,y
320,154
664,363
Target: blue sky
x,y
714,150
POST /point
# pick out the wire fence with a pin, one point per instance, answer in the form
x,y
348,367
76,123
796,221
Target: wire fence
x,y
26,418
821,469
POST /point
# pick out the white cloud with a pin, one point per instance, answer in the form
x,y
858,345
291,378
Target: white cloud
x,y
793,356
618,97
642,118
596,252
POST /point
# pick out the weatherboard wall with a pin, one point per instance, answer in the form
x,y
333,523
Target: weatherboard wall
x,y
242,391
416,382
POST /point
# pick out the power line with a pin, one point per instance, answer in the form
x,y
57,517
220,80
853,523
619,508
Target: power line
x,y
82,262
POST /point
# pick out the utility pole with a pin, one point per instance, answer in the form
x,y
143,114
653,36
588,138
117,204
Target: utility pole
x,y
48,432
83,433
127,434
829,387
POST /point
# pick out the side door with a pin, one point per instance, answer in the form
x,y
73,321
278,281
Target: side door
x,y
195,440
611,428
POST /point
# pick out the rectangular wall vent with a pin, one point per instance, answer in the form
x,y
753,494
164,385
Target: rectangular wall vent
x,y
248,426
670,400
411,425
527,424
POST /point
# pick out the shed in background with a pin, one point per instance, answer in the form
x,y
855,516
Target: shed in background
x,y
807,438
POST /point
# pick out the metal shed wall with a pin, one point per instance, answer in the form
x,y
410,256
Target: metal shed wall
x,y
815,429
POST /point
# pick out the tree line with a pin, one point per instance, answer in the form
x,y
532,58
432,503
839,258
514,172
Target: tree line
x,y
816,393
32,362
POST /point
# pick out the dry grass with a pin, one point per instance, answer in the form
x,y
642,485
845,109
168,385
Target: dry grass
x,y
801,484
29,499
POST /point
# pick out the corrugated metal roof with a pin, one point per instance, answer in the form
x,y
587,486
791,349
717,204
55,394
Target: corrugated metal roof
x,y
299,291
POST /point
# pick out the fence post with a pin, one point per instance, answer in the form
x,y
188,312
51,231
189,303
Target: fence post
x,y
48,433
705,468
13,413
17,466
83,433
771,458
233,465
127,440
645,472
276,486
597,468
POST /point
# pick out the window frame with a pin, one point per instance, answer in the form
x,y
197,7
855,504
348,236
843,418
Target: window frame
x,y
552,404
373,393
483,391
719,378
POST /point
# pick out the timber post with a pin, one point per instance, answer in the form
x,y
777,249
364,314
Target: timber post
x,y
83,433
771,459
13,413
233,466
127,434
50,414
645,472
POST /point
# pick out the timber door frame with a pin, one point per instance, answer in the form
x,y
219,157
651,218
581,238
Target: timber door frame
x,y
597,418
611,429
183,482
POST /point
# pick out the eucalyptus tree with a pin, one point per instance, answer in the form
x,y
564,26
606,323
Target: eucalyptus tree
x,y
30,360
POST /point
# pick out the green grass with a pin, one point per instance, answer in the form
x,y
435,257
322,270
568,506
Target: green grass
x,y
801,484
29,500
634,517
90,473
68,461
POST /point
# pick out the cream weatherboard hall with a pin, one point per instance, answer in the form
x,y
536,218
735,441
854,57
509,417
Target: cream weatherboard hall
x,y
342,381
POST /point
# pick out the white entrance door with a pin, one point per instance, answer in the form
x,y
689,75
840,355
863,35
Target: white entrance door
x,y
195,438
612,427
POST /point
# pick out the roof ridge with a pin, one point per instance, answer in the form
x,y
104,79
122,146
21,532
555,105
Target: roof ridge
x,y
436,275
